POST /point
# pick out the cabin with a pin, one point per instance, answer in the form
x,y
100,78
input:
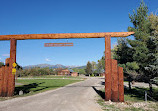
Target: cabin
x,y
74,74
68,72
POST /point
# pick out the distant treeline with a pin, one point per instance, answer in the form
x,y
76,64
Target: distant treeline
x,y
37,71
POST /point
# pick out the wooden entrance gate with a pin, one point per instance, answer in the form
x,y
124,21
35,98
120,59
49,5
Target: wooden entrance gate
x,y
114,88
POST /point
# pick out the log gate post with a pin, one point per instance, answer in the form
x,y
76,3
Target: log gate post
x,y
11,83
114,84
107,68
114,88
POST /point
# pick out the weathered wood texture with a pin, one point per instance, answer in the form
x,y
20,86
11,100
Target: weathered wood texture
x,y
121,86
107,68
1,79
114,81
11,79
4,79
7,61
114,88
3,76
65,35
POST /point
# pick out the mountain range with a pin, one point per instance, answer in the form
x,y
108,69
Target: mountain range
x,y
52,66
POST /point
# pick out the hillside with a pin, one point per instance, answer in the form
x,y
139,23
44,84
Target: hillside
x,y
52,66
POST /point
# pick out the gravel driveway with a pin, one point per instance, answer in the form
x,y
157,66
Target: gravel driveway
x,y
75,97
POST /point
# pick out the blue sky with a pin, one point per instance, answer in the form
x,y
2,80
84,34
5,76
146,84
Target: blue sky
x,y
63,16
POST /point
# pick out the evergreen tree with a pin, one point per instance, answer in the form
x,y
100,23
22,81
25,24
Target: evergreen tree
x,y
122,52
103,61
1,63
145,43
93,66
99,67
88,69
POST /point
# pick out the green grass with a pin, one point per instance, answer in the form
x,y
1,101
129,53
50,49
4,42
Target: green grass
x,y
106,107
51,76
136,95
150,106
133,109
125,81
34,86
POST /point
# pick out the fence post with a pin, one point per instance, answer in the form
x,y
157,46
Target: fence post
x,y
145,96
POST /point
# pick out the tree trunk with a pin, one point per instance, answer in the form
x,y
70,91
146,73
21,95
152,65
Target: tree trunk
x,y
150,87
129,82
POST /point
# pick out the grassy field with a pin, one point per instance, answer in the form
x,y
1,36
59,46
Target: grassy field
x,y
51,76
134,101
34,86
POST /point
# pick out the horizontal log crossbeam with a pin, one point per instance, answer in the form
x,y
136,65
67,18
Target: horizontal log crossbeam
x,y
114,89
65,35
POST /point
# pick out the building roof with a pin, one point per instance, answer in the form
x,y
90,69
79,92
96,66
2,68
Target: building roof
x,y
67,70
70,70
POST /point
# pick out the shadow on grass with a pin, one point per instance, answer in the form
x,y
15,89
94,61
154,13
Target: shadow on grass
x,y
137,93
35,87
99,92
27,88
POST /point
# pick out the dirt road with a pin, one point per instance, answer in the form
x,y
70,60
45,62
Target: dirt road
x,y
75,97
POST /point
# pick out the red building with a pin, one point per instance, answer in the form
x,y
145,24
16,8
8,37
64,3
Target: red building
x,y
67,72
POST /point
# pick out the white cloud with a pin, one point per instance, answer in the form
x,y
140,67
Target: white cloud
x,y
48,60
0,59
6,55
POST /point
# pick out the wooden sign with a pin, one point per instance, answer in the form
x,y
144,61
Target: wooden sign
x,y
57,44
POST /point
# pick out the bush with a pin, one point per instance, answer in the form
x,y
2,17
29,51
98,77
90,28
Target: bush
x,y
35,72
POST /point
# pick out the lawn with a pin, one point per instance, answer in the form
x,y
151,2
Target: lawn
x,y
134,101
34,86
52,76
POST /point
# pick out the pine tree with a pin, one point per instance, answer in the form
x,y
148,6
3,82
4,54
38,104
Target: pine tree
x,y
93,66
122,52
1,63
124,55
145,43
88,69
99,67
103,61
